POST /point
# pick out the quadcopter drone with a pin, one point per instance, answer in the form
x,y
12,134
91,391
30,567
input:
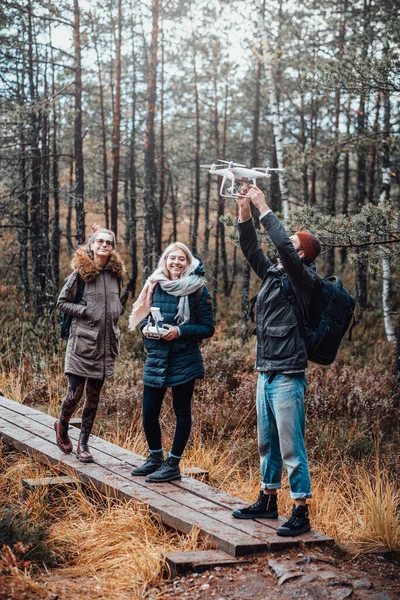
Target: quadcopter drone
x,y
237,174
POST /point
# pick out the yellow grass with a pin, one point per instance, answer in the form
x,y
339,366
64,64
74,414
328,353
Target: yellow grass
x,y
112,549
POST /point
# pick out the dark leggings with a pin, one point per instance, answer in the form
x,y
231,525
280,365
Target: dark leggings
x,y
152,401
76,385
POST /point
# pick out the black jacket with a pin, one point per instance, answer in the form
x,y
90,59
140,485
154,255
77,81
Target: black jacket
x,y
280,339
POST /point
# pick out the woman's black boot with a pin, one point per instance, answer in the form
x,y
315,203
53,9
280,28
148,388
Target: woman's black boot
x,y
169,471
151,464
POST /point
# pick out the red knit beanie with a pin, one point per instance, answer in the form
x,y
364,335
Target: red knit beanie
x,y
310,245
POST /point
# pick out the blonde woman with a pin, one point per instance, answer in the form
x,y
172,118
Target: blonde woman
x,y
177,288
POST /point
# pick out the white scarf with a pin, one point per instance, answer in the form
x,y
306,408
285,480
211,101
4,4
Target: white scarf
x,y
182,287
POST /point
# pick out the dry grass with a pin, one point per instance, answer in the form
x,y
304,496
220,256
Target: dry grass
x,y
114,551
105,548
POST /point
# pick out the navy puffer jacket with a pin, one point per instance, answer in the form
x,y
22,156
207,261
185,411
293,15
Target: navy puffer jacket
x,y
169,364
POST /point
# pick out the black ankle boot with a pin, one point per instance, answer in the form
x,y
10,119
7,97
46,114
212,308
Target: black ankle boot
x,y
169,471
297,524
151,464
266,507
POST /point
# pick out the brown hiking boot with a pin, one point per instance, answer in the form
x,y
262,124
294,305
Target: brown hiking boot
x,y
82,452
62,438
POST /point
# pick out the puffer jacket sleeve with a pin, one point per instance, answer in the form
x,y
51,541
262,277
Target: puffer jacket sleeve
x,y
204,327
65,301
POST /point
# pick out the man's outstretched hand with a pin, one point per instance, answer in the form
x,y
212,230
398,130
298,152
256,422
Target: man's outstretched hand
x,y
244,204
257,198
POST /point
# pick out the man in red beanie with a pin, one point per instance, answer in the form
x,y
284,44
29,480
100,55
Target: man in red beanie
x,y
281,360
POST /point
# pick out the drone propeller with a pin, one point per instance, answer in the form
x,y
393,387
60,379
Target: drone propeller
x,y
266,169
229,162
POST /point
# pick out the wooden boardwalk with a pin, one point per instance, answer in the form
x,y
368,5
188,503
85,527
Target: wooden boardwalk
x,y
181,504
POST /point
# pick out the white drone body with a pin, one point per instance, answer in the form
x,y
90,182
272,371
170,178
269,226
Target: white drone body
x,y
237,174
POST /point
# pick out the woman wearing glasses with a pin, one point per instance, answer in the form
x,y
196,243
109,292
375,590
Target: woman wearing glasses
x,y
94,337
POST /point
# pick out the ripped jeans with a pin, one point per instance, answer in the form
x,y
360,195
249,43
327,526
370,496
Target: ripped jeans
x,y
280,427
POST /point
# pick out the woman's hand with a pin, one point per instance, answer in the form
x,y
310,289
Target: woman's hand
x,y
171,334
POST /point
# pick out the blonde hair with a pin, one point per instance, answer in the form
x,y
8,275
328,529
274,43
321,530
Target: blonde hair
x,y
192,262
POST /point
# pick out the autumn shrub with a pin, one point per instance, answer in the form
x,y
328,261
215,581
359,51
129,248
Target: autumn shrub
x,y
28,537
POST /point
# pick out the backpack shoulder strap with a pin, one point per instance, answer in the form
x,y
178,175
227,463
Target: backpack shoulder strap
x,y
289,294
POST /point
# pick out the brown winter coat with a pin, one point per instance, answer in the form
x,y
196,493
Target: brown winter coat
x,y
94,338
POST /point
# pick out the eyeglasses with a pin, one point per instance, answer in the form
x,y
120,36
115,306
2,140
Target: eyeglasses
x,y
108,243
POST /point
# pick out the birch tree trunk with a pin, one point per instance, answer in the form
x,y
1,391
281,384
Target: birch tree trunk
x,y
273,100
384,197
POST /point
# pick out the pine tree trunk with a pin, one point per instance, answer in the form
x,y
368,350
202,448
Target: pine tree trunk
x,y
132,224
221,205
116,141
68,225
38,278
268,63
373,153
49,288
55,237
161,199
207,215
361,265
254,161
103,130
150,176
173,208
346,182
304,146
196,207
78,146
23,217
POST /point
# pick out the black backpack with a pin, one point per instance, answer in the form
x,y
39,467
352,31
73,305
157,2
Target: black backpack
x,y
330,313
66,320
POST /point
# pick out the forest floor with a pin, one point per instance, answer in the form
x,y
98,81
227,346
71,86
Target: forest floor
x,y
316,574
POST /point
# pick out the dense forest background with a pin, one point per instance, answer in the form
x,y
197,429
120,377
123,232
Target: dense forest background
x,y
109,109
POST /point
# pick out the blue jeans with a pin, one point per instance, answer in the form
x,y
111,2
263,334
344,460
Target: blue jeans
x,y
280,426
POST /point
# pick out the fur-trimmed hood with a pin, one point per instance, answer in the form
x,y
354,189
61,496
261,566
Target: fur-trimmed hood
x,y
88,269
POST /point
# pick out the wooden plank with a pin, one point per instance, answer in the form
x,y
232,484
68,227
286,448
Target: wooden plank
x,y
197,561
22,409
171,512
61,483
197,473
261,529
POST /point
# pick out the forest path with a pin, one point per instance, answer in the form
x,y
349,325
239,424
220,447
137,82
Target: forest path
x,y
310,574
180,504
